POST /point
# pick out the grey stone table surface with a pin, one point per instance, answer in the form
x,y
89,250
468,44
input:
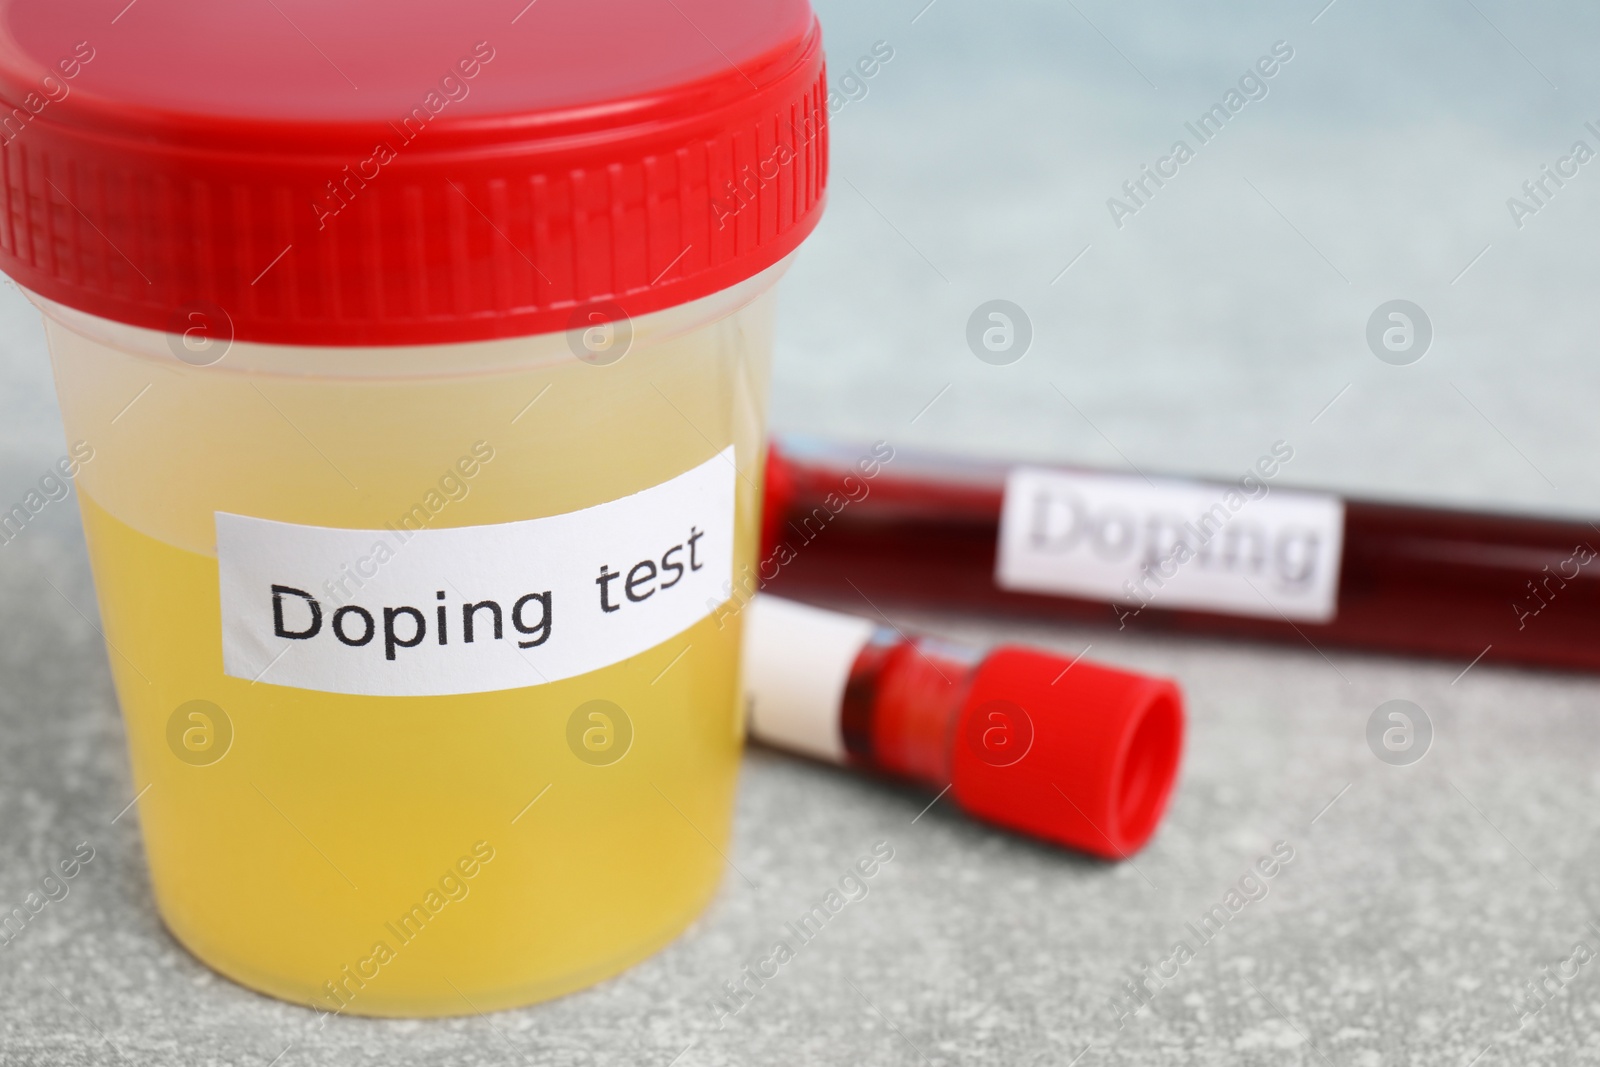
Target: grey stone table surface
x,y
1225,313
1419,903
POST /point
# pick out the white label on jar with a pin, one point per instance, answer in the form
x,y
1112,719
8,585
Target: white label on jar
x,y
473,609
1172,544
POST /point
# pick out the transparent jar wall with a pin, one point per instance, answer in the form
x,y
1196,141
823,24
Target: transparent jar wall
x,y
297,862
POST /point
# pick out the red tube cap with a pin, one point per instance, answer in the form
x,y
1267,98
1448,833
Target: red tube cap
x,y
1085,757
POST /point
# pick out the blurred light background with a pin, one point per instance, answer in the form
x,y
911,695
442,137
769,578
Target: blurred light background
x,y
1228,312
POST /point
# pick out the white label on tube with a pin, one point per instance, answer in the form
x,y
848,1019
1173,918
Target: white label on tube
x,y
797,660
1166,543
474,609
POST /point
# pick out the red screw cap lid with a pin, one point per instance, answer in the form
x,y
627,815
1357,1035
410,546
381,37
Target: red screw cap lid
x,y
1085,758
403,172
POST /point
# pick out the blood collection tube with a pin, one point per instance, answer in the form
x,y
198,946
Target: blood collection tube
x,y
1076,753
902,528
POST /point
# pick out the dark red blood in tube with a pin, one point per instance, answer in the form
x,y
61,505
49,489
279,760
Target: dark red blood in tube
x,y
1415,580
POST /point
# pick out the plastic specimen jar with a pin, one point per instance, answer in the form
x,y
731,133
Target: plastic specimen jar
x,y
425,424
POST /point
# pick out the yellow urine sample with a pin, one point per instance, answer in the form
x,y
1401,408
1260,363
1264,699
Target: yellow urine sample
x,y
412,855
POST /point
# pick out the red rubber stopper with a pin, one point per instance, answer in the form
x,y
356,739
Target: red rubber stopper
x,y
1078,754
